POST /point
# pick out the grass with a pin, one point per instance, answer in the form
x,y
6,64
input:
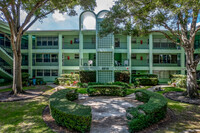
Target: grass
x,y
187,116
24,88
24,116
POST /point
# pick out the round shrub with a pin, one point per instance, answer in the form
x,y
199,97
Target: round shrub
x,y
69,114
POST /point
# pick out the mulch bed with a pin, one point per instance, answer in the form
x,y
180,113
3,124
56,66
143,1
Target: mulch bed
x,y
50,122
178,96
6,97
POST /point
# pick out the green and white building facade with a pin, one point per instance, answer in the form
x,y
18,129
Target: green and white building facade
x,y
48,54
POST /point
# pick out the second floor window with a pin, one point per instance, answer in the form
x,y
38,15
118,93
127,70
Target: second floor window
x,y
117,42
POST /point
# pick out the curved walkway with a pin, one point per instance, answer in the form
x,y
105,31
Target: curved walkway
x,y
109,113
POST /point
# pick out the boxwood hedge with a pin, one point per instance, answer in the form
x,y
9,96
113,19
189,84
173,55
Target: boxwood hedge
x,y
69,114
106,90
154,109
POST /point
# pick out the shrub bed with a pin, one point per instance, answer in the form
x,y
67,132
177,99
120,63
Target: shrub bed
x,y
134,76
72,95
114,83
106,90
146,81
179,80
154,110
122,76
87,76
69,114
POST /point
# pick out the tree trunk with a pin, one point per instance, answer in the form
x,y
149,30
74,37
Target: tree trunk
x,y
192,91
17,76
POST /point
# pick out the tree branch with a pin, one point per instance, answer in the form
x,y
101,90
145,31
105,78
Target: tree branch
x,y
36,18
5,35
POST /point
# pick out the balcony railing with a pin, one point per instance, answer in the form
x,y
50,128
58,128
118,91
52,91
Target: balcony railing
x,y
67,45
168,64
124,62
137,62
165,46
71,62
140,46
7,49
89,45
44,63
88,62
45,47
123,45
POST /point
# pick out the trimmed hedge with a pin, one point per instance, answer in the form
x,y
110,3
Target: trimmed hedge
x,y
114,83
134,76
106,90
87,76
122,76
147,81
154,110
72,95
177,76
69,114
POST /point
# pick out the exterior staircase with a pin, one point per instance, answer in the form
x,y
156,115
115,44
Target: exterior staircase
x,y
6,64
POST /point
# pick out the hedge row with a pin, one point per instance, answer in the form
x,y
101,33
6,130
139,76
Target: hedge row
x,y
122,76
87,76
114,83
69,114
154,110
134,76
106,90
147,81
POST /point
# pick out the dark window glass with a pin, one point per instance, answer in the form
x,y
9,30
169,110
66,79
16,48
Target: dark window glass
x,y
39,72
76,56
133,56
55,41
155,58
46,72
54,73
54,58
50,43
44,41
39,41
38,57
76,40
46,57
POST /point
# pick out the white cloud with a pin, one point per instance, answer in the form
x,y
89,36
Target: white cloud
x,y
103,5
59,17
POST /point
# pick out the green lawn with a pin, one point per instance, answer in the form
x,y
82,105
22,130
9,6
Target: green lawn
x,y
24,116
187,116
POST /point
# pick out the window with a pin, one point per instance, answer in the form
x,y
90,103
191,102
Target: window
x,y
38,57
76,56
7,42
54,73
117,42
133,56
55,41
39,72
50,43
174,58
2,39
46,57
39,41
46,72
133,40
54,58
44,41
76,40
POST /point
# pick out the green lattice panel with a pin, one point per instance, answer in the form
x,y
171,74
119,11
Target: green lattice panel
x,y
105,76
105,59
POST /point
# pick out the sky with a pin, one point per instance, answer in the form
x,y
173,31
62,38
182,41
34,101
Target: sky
x,y
58,21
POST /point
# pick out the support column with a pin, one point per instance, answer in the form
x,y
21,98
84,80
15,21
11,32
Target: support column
x,y
30,56
80,48
129,54
182,61
151,54
60,54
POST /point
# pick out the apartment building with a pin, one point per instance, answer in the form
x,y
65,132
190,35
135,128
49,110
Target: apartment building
x,y
48,54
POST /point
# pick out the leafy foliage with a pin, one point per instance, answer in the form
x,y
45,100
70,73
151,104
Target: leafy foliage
x,y
114,83
122,76
72,95
87,76
69,114
145,115
106,90
146,81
